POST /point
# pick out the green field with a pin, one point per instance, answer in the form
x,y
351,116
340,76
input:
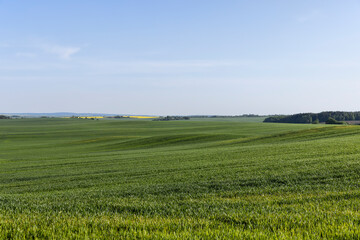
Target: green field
x,y
196,179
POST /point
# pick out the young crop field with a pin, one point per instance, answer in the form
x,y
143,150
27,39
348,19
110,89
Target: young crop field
x,y
194,179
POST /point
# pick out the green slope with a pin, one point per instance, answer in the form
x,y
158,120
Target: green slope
x,y
73,178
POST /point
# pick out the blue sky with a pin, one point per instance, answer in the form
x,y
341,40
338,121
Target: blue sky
x,y
179,56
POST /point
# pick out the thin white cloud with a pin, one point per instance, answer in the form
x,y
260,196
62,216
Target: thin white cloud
x,y
61,51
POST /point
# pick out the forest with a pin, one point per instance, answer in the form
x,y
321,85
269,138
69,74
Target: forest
x,y
314,117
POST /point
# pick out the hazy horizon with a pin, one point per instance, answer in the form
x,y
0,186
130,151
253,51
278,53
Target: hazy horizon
x,y
139,114
179,57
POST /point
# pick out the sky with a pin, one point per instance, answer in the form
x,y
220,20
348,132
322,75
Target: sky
x,y
179,57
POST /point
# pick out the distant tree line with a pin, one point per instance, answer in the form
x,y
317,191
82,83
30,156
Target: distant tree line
x,y
333,121
170,118
117,116
315,117
4,117
225,116
86,118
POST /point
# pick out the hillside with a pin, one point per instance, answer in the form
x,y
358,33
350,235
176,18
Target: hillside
x,y
205,179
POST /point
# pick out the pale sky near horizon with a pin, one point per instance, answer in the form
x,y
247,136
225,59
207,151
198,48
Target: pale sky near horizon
x,y
179,57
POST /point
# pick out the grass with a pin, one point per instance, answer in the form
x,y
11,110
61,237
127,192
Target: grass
x,y
197,179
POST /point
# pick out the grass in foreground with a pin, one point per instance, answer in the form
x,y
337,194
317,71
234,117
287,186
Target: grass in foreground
x,y
76,179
